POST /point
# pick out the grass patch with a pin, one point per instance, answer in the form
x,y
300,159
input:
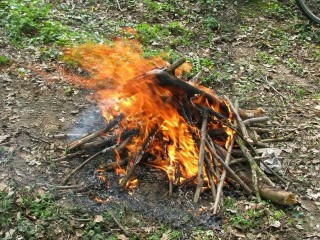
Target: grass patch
x,y
31,22
4,60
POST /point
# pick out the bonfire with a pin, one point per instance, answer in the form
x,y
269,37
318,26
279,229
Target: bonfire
x,y
156,118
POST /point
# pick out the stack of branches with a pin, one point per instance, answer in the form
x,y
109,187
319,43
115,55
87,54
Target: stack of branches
x,y
218,162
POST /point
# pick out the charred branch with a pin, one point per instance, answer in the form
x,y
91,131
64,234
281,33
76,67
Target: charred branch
x,y
138,157
201,157
92,136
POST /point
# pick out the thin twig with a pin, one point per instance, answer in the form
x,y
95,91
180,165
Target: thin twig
x,y
201,157
64,187
77,190
274,89
119,225
67,135
280,139
175,65
6,143
229,170
239,121
222,178
119,6
242,160
273,172
196,78
138,157
107,149
253,164
68,156
113,165
250,121
92,136
210,178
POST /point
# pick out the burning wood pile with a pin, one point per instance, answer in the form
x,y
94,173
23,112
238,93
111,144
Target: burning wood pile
x,y
156,119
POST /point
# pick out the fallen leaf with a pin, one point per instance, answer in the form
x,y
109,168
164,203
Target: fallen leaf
x,y
275,224
149,229
122,237
165,236
4,137
3,187
98,218
62,119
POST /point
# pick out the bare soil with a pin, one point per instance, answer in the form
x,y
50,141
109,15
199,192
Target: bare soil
x,y
38,101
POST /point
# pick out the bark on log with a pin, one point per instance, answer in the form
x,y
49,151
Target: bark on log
x,y
176,85
267,192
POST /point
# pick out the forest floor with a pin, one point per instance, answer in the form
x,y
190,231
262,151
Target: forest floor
x,y
262,53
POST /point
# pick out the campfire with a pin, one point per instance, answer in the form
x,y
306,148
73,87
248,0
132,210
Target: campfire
x,y
156,118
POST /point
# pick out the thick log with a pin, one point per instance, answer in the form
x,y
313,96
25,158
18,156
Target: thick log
x,y
268,192
245,113
176,85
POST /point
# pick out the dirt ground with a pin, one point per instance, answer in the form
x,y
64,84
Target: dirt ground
x,y
38,101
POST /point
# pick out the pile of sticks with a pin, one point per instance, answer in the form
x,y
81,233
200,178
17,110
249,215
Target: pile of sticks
x,y
236,164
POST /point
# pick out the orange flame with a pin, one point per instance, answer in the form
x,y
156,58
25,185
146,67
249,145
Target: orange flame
x,y
99,199
132,184
117,74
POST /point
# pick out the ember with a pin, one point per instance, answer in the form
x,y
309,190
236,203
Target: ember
x,y
155,118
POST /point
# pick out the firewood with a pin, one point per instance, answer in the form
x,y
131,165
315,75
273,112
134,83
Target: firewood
x,y
228,169
290,137
245,113
113,165
196,78
177,173
253,164
92,136
138,157
211,182
178,86
215,161
68,156
222,178
107,149
201,157
175,65
209,165
243,160
268,192
239,121
251,121
109,141
260,130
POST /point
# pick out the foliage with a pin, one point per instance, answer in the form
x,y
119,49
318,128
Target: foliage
x,y
33,21
4,60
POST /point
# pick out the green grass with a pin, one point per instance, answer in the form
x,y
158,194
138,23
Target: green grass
x,y
4,60
32,22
